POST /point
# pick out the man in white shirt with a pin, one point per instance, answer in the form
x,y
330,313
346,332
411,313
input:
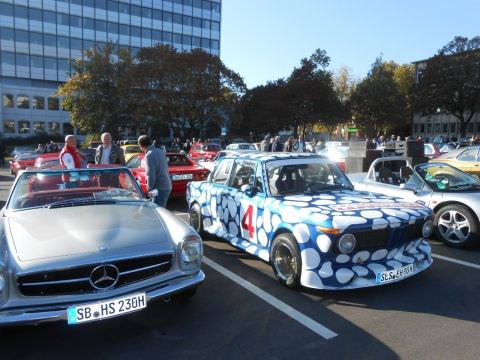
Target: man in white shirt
x,y
108,152
300,145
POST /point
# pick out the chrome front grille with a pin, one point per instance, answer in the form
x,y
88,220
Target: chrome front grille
x,y
77,280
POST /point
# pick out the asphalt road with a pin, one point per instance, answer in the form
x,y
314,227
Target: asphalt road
x,y
242,312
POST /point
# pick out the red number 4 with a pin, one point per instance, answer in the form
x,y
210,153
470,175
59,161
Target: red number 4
x,y
247,221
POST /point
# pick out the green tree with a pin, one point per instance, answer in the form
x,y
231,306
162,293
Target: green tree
x,y
98,94
377,102
451,82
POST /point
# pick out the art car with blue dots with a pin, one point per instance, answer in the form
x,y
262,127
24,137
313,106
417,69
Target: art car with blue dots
x,y
300,213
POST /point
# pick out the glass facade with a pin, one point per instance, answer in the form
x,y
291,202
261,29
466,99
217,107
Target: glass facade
x,y
39,37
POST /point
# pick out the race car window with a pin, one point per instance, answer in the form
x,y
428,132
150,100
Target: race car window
x,y
222,171
243,174
468,155
259,186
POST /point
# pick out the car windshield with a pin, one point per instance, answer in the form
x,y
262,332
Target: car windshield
x,y
52,188
26,156
209,147
443,177
302,176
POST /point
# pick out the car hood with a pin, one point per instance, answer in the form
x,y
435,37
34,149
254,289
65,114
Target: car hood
x,y
47,233
349,209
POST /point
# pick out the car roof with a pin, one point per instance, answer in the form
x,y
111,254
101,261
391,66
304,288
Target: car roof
x,y
270,156
453,154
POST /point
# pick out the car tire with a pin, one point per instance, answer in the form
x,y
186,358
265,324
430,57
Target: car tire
x,y
286,260
196,220
456,226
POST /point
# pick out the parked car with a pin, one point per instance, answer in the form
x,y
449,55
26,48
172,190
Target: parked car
x,y
241,146
22,149
85,245
205,152
465,158
299,212
338,154
21,161
180,167
431,150
89,154
453,195
47,160
131,150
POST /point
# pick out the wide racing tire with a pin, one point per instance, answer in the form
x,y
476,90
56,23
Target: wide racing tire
x,y
286,260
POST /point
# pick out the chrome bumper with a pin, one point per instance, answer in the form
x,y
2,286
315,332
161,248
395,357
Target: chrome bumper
x,y
59,312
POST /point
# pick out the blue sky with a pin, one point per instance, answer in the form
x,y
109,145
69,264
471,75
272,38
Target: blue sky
x,y
264,40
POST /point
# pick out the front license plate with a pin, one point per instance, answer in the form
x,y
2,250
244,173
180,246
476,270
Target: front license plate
x,y
106,309
182,177
391,275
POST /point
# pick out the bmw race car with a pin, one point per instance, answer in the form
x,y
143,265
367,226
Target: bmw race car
x,y
300,213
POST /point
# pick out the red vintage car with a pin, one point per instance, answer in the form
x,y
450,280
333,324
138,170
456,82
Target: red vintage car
x,y
47,160
181,169
205,152
22,161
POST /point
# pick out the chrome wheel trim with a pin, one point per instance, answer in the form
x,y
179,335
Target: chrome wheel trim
x,y
453,226
195,220
284,262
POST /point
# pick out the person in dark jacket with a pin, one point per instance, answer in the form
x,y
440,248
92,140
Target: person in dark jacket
x,y
109,152
266,145
277,144
156,171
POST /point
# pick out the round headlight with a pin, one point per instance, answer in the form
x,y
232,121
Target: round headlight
x,y
427,229
347,243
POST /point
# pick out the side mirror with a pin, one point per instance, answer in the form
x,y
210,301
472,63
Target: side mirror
x,y
408,187
247,190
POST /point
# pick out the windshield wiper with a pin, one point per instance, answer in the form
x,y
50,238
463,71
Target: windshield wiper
x,y
78,202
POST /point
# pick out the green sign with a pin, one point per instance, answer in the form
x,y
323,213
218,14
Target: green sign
x,y
352,129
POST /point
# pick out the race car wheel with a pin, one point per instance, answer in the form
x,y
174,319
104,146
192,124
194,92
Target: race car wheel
x,y
286,260
196,218
456,226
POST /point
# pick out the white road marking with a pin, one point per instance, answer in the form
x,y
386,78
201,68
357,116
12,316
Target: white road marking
x,y
280,305
460,262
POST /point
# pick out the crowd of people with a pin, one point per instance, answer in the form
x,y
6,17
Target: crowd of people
x,y
275,144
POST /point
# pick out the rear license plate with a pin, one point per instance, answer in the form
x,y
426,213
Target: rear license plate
x,y
392,275
106,309
182,177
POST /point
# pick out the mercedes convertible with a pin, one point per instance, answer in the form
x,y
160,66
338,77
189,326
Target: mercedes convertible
x,y
86,244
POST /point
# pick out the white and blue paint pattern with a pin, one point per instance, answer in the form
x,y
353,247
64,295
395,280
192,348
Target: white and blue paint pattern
x,y
347,210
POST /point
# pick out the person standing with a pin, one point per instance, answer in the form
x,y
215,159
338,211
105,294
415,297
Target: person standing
x,y
276,144
69,156
266,145
300,145
108,152
156,171
288,146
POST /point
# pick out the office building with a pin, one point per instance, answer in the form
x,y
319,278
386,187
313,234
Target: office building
x,y
38,37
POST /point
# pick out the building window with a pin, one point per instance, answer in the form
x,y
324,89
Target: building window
x,y
197,4
215,44
23,102
50,63
157,15
89,3
112,28
88,24
177,38
101,4
63,65
206,5
75,21
429,128
22,60
49,17
6,34
187,40
113,6
197,22
21,36
38,102
215,26
124,8
206,24
36,38
6,9
422,128
135,31
7,100
52,103
453,127
8,58
50,40
445,128
167,16
38,127
167,36
9,127
101,25
35,14
187,20
62,19
21,12
135,10
177,19
196,42
23,127
54,127
215,7
206,43
75,44
124,30
36,61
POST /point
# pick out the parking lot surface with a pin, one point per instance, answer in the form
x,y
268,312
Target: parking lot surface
x,y
242,312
